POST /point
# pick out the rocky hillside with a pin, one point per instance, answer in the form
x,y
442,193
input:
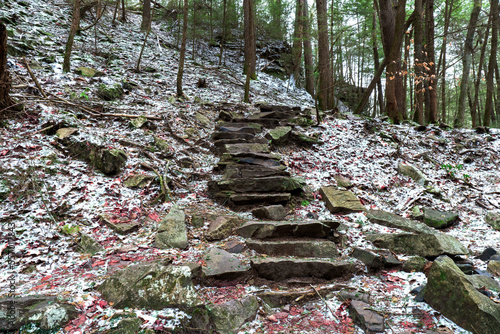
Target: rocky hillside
x,y
132,211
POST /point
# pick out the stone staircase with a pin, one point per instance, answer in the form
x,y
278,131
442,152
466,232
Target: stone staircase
x,y
252,175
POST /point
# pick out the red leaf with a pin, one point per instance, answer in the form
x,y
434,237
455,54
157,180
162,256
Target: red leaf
x,y
154,216
46,278
4,152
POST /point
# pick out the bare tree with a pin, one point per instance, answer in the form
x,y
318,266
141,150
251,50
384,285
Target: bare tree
x,y
325,98
146,15
488,109
297,41
250,42
182,55
308,56
71,37
5,82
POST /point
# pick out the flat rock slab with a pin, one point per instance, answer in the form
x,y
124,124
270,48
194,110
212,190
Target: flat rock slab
x,y
252,185
172,232
426,245
413,172
271,212
232,135
370,321
279,269
439,219
279,135
242,129
375,259
342,201
265,230
223,265
395,221
120,225
258,198
282,298
298,248
234,125
251,171
222,227
230,316
452,293
246,148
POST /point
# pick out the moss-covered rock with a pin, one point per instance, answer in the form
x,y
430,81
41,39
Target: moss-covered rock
x,y
493,219
172,232
87,245
439,219
108,161
230,316
109,92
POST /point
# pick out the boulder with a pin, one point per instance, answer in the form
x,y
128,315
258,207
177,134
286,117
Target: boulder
x,y
414,263
172,232
279,269
426,245
370,321
87,245
230,316
121,225
494,268
89,72
109,92
222,227
151,285
395,221
271,212
298,248
138,181
451,292
108,161
487,254
127,326
265,230
342,201
439,219
223,265
413,172
233,246
493,219
46,312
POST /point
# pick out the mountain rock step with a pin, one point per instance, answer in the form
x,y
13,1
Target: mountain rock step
x,y
252,199
248,171
286,229
252,185
246,148
280,269
298,248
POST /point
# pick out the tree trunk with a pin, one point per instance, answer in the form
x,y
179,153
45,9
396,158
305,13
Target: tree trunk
x,y
475,107
146,15
182,55
308,56
432,116
488,109
223,38
325,99
194,30
250,43
419,58
466,61
117,5
442,58
376,59
124,12
71,37
392,22
297,42
5,82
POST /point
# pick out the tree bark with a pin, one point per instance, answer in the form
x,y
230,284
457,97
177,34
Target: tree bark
x,y
146,15
392,22
250,43
419,58
488,109
431,62
194,31
223,38
466,61
376,59
124,12
75,23
182,55
475,108
297,42
442,58
325,98
308,56
5,81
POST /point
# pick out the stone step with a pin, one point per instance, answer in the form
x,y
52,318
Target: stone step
x,y
286,229
256,126
232,135
257,185
266,122
248,171
240,129
275,107
255,198
246,148
280,269
299,248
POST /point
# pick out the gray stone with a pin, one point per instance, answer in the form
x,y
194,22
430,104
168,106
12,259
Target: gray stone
x,y
271,212
394,221
230,316
375,259
150,285
494,268
298,248
279,135
251,171
172,232
344,295
47,312
87,245
120,225
222,227
413,173
197,221
340,200
233,246
265,230
342,181
439,219
223,265
108,161
255,198
138,122
204,120
138,181
247,148
127,326
241,136
89,72
493,219
65,132
414,263
279,269
109,92
419,244
370,321
272,184
451,292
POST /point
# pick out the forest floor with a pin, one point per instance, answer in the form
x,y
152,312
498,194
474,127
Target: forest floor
x,y
47,192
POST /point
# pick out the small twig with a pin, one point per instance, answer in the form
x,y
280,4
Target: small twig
x,y
87,110
324,301
9,107
34,78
